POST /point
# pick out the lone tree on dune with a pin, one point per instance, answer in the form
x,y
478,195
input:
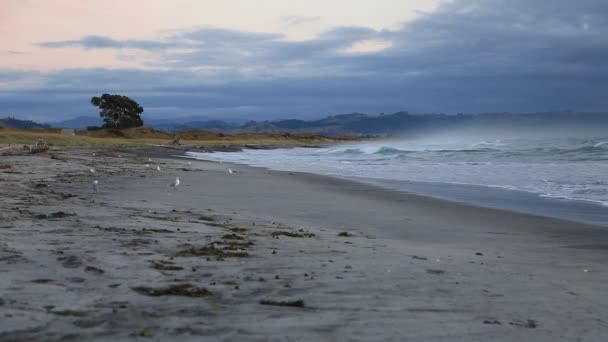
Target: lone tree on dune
x,y
118,111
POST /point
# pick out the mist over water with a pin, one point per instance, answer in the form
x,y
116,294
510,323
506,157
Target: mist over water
x,y
560,163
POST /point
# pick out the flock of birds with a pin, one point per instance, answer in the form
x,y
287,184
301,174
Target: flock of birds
x,y
173,184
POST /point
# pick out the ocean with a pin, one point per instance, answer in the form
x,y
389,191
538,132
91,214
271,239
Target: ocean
x,y
555,175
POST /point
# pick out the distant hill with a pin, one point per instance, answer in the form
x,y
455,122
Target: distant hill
x,y
373,124
79,122
11,122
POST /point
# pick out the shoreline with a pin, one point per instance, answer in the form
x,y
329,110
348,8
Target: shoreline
x,y
139,259
481,196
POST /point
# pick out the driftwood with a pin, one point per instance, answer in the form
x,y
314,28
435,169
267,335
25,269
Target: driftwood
x,y
39,147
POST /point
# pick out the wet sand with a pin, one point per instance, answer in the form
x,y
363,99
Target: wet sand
x,y
138,260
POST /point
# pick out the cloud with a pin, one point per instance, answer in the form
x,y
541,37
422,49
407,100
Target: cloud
x,y
467,56
296,20
100,42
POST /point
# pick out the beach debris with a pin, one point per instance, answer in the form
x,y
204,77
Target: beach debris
x,y
206,218
145,333
55,215
39,146
585,270
95,184
492,321
70,261
415,257
175,183
293,303
211,250
176,141
232,237
530,323
479,254
276,234
183,290
166,266
432,271
345,234
95,270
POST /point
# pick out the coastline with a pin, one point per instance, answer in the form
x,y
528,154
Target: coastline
x,y
409,267
493,197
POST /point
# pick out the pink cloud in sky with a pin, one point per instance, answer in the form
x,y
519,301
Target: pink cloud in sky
x,y
24,23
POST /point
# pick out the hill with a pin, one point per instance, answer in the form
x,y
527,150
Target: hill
x,y
11,122
358,124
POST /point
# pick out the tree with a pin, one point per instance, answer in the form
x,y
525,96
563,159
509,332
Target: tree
x,y
118,111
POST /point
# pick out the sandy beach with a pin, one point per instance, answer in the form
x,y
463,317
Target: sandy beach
x,y
264,255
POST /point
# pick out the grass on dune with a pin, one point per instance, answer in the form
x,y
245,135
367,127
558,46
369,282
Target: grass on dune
x,y
146,136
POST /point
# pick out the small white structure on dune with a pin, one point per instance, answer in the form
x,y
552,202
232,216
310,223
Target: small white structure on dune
x,y
67,131
95,184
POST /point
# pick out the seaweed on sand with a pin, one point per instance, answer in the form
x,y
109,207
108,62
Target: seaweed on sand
x,y
211,250
292,234
293,303
183,290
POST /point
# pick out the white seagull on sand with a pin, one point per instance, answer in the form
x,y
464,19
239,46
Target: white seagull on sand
x,y
149,160
175,184
95,183
147,165
230,171
92,170
157,167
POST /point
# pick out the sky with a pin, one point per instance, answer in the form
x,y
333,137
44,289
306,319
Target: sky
x,y
273,59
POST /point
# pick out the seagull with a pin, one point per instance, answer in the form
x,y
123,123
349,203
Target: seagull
x,y
95,183
149,160
92,170
158,167
189,163
230,171
175,184
147,165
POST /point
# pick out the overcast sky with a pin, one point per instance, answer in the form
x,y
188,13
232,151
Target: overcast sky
x,y
269,59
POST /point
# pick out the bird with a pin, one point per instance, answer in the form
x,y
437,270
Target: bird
x,y
149,160
189,163
95,183
92,170
147,165
175,184
230,171
158,167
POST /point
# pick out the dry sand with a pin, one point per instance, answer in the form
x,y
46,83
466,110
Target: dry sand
x,y
138,260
